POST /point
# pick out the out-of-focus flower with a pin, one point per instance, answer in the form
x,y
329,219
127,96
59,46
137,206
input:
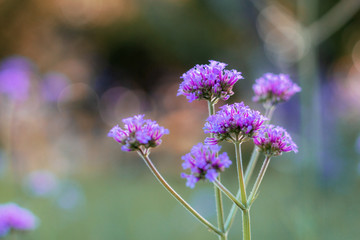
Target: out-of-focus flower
x,y
52,85
274,140
357,145
13,217
41,183
15,74
70,196
138,133
235,122
210,82
204,163
272,89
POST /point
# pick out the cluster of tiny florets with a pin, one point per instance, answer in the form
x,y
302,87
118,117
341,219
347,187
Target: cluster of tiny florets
x,y
204,163
138,133
235,122
272,89
209,82
274,140
13,217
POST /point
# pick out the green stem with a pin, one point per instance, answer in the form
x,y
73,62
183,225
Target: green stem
x,y
259,179
249,171
177,196
245,216
246,225
229,194
218,198
269,114
240,172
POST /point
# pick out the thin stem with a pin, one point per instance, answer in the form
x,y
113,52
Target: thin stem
x,y
259,179
249,171
245,216
269,114
177,196
240,172
255,153
218,198
246,225
251,165
229,194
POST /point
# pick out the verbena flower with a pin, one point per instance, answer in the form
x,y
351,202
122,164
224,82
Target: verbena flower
x,y
210,82
236,122
52,85
13,217
41,183
15,74
272,89
138,133
204,163
274,140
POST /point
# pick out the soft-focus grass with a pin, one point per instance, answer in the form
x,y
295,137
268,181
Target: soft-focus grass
x,y
122,206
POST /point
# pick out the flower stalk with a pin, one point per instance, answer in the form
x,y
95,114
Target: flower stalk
x,y
187,206
259,180
218,198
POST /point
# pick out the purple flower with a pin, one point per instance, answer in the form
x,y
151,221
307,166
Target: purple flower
x,y
13,217
274,140
138,133
15,74
203,162
210,82
273,89
357,145
52,85
235,122
41,183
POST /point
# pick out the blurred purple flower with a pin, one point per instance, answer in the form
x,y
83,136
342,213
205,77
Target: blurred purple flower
x,y
210,82
235,122
13,217
204,163
52,85
15,74
138,133
274,140
357,145
41,183
70,196
272,89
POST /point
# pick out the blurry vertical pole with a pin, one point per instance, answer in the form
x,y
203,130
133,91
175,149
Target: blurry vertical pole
x,y
310,95
311,145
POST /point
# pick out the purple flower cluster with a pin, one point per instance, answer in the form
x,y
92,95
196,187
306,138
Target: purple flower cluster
x,y
274,140
138,133
13,217
209,82
204,163
234,122
53,84
272,88
15,74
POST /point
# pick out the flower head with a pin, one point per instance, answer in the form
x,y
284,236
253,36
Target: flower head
x,y
52,85
15,74
204,164
274,140
138,133
41,183
235,122
273,89
17,218
210,82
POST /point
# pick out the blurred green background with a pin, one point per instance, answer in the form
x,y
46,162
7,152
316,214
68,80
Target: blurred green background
x,y
115,58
